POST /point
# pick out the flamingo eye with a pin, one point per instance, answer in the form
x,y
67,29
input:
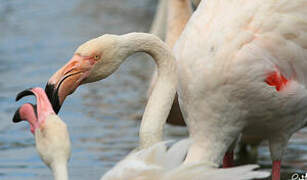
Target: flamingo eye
x,y
96,57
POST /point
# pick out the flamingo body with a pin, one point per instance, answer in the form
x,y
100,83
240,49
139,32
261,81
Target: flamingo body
x,y
242,68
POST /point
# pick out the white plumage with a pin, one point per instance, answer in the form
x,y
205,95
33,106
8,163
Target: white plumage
x,y
224,56
159,162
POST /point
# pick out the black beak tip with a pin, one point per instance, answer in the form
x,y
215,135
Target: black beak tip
x,y
24,93
56,108
17,117
53,97
49,89
27,92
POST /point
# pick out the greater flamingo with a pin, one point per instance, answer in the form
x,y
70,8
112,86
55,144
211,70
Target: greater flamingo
x,y
242,68
51,134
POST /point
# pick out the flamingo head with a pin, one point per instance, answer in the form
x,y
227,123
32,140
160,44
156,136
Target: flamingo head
x,y
92,61
51,134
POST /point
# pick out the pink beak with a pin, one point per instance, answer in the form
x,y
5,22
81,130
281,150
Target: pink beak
x,y
66,80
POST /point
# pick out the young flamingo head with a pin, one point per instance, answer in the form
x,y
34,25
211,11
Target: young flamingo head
x,y
51,134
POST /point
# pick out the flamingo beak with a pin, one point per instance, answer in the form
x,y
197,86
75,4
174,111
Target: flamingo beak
x,y
24,108
34,114
27,112
67,79
28,107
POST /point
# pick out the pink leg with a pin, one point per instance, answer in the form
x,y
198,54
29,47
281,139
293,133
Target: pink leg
x,y
276,170
228,160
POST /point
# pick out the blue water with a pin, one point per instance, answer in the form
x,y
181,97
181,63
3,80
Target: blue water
x,y
37,38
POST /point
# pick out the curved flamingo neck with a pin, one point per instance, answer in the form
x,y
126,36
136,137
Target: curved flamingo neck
x,y
162,96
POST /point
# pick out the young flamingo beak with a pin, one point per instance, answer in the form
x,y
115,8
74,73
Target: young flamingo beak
x,y
66,80
34,114
27,112
51,135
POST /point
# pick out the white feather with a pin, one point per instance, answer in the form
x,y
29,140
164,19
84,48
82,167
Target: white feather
x,y
156,162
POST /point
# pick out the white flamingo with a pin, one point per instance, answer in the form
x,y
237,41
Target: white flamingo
x,y
242,68
155,162
171,28
51,134
180,12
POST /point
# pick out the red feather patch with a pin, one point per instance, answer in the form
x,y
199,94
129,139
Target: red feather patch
x,y
277,80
